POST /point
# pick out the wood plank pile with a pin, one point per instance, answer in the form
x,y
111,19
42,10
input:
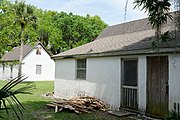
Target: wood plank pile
x,y
83,104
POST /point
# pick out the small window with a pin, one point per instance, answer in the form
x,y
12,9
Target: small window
x,y
38,51
81,69
38,69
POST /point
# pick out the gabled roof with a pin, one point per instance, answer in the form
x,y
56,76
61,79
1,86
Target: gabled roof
x,y
13,55
131,36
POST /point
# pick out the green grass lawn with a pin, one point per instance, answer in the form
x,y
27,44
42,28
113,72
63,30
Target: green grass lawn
x,y
36,108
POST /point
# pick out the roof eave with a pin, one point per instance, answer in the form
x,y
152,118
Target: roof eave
x,y
120,53
8,60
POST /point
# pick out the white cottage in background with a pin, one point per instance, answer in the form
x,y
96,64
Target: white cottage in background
x,y
37,64
121,68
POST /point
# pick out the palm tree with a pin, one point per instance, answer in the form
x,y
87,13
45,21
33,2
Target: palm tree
x,y
7,94
24,16
177,8
158,13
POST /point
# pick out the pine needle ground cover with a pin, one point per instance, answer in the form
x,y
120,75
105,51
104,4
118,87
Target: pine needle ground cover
x,y
35,106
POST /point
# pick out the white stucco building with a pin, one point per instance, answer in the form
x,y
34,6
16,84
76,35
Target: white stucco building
x,y
121,68
37,64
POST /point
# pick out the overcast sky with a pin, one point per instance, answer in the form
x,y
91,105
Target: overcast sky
x,y
111,11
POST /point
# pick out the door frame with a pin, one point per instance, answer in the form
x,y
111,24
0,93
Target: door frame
x,y
122,82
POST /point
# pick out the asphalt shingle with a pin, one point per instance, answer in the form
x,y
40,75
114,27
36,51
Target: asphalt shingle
x,y
14,53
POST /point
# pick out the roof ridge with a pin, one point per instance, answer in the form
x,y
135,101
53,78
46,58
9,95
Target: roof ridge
x,y
131,21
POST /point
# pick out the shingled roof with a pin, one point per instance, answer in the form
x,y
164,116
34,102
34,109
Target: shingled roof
x,y
131,36
14,53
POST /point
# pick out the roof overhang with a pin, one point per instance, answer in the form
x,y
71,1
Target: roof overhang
x,y
121,53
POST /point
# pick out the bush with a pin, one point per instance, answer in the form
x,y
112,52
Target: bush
x,y
172,115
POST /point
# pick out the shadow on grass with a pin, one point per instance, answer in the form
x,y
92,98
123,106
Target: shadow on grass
x,y
33,111
39,111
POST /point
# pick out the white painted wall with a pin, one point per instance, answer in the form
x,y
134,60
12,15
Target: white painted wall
x,y
29,66
104,73
142,83
104,79
1,71
6,74
174,79
65,77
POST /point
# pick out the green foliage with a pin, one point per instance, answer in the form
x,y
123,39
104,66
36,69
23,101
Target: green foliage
x,y
164,38
157,10
77,30
172,115
11,63
7,94
158,14
7,30
58,31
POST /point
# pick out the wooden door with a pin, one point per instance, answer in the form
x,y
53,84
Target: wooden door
x,y
157,85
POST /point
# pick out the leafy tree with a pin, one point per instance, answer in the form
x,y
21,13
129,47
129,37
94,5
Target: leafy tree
x,y
58,31
24,16
48,33
7,30
77,30
158,13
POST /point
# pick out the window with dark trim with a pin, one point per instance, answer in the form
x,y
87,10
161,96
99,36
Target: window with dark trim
x,y
81,69
129,92
38,69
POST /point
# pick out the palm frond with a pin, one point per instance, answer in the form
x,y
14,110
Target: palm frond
x,y
7,93
13,108
10,83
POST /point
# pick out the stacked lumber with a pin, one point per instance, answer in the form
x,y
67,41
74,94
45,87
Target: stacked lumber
x,y
83,104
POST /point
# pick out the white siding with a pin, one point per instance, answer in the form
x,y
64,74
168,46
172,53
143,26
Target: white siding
x,y
29,66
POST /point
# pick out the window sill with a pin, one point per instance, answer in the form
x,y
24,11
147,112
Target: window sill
x,y
79,79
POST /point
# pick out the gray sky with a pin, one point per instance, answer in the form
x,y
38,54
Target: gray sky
x,y
111,11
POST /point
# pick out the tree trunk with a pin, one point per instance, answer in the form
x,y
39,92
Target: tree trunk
x,y
158,36
158,31
21,53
